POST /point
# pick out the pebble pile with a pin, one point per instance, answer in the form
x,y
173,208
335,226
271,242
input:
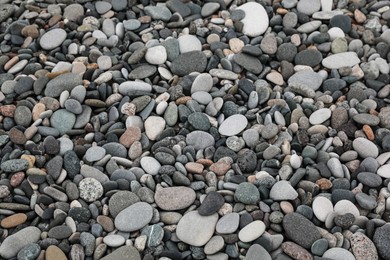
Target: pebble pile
x,y
186,129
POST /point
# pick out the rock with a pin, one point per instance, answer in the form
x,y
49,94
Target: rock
x,y
282,190
200,139
339,60
228,224
248,62
134,217
338,253
52,39
15,242
363,247
188,43
247,193
251,231
121,200
156,55
63,82
154,126
365,148
233,125
322,207
255,251
384,171
308,7
300,230
13,220
196,230
295,251
14,165
62,120
31,251
174,198
90,189
380,240
345,206
185,63
54,252
123,253
307,79
114,240
211,204
256,19
319,116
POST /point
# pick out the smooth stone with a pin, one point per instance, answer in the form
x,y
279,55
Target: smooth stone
x,y
114,240
200,139
63,82
319,116
365,148
189,43
211,204
132,86
384,171
95,153
156,55
52,39
215,244
256,19
90,189
308,7
339,60
363,247
53,252
158,12
307,79
14,243
233,125
62,120
14,165
174,198
134,217
196,230
300,230
248,62
338,253
203,82
322,207
252,231
228,224
247,193
154,126
185,63
370,179
31,251
282,190
380,239
150,165
345,206
123,253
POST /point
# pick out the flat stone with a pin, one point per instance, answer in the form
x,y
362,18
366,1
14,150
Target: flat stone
x,y
248,62
339,60
15,242
95,153
345,206
14,165
308,7
156,55
365,148
300,230
52,39
233,125
211,204
338,253
121,200
67,81
114,240
185,63
282,190
154,126
380,239
322,207
196,230
189,43
228,224
200,139
150,165
174,198
134,217
124,253
308,79
247,193
54,252
31,251
363,247
62,120
252,231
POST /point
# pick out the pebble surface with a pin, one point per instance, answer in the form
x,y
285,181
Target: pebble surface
x,y
194,129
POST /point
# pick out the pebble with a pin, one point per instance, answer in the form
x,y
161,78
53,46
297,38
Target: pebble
x,y
233,125
14,243
134,217
322,207
252,231
338,253
52,39
365,148
174,198
196,230
339,60
256,19
300,230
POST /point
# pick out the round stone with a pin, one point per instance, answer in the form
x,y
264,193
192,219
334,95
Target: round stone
x,y
256,19
134,217
156,55
252,231
247,193
233,125
90,189
322,207
52,39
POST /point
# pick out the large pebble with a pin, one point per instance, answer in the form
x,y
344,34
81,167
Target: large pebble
x,y
134,217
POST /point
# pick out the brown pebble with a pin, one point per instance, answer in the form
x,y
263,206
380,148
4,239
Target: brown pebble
x,y
368,132
13,220
17,136
205,162
8,110
145,19
30,31
17,179
106,223
55,253
54,19
183,100
37,110
324,184
193,167
296,251
11,63
221,167
131,135
286,207
359,16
